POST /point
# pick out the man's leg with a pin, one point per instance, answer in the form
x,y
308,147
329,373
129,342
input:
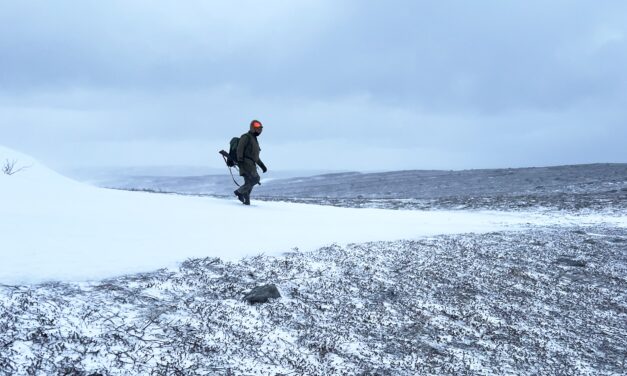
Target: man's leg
x,y
239,195
249,183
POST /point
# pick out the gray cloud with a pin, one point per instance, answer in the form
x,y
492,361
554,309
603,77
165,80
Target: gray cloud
x,y
471,84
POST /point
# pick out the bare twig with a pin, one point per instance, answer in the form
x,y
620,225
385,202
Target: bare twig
x,y
9,167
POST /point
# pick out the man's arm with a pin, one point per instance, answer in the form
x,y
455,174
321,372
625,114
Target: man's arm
x,y
263,166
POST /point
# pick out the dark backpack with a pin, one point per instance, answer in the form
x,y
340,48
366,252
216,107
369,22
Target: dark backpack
x,y
231,157
233,150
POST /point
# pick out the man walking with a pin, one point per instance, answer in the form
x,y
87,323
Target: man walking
x,y
247,161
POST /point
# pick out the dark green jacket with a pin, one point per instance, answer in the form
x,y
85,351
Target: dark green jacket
x,y
248,154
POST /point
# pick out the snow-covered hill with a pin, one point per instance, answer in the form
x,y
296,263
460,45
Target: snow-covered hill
x,y
54,228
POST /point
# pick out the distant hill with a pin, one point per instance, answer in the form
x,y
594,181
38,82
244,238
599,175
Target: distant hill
x,y
429,184
608,179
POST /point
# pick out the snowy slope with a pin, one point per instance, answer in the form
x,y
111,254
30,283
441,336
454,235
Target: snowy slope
x,y
53,228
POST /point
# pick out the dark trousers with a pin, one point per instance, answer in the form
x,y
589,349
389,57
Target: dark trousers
x,y
250,179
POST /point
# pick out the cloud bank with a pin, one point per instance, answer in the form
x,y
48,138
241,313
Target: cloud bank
x,y
338,84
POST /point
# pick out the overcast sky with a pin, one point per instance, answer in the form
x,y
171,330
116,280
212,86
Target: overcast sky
x,y
338,84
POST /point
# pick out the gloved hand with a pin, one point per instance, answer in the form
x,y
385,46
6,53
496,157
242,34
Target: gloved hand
x,y
264,169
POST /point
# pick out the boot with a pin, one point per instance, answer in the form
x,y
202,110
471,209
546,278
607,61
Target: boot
x,y
246,200
239,196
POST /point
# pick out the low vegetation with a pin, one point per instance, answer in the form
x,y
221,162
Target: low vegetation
x,y
540,301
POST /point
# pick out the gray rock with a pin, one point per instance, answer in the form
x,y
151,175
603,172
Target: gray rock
x,y
571,262
261,294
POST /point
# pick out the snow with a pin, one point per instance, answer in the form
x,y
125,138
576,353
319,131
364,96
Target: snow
x,y
54,228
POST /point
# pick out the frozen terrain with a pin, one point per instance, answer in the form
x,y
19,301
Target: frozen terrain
x,y
547,301
110,282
